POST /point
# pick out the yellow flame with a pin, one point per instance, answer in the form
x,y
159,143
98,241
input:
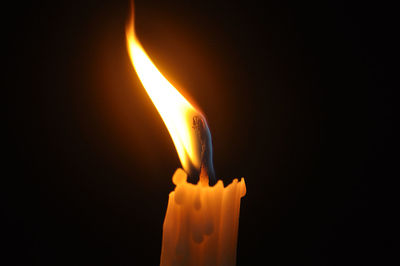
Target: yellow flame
x,y
176,112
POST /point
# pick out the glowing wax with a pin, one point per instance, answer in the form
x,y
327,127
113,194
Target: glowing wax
x,y
201,223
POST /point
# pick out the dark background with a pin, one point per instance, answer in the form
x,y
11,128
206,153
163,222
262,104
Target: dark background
x,y
299,98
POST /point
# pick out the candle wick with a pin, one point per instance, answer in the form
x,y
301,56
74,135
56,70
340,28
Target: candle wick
x,y
207,173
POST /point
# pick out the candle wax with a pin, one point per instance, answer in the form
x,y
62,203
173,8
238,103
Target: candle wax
x,y
201,222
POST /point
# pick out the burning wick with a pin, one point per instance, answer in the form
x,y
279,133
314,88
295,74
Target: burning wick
x,y
204,136
201,223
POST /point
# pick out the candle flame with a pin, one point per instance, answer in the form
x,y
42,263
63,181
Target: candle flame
x,y
178,114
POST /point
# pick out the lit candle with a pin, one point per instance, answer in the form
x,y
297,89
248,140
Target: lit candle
x,y
201,222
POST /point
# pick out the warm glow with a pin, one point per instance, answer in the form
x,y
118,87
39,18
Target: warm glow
x,y
201,223
178,114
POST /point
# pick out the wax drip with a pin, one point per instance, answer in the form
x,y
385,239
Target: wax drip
x,y
204,136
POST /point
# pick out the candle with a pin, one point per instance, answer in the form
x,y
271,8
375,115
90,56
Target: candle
x,y
201,222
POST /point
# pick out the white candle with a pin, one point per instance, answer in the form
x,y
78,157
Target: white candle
x,y
201,223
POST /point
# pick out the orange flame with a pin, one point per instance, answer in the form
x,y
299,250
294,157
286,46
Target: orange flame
x,y
177,113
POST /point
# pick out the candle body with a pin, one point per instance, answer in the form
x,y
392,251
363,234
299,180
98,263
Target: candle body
x,y
201,223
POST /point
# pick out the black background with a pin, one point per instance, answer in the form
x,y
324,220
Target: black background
x,y
299,98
